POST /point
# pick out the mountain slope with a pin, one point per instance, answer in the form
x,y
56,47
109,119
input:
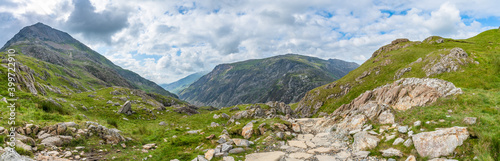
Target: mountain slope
x,y
177,86
282,78
407,84
47,44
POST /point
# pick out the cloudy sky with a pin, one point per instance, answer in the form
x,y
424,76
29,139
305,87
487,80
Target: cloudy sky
x,y
167,40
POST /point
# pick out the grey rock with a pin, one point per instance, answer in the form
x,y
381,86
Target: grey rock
x,y
403,129
11,155
162,123
126,108
398,141
364,141
417,123
391,152
236,151
408,143
226,147
441,142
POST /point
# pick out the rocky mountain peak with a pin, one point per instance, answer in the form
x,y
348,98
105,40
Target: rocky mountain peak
x,y
40,32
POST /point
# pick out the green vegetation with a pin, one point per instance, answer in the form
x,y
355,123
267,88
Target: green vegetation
x,y
479,81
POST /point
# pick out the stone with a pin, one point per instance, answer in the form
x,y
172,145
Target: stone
x,y
226,147
390,137
149,146
209,154
67,154
281,127
214,124
401,72
361,154
262,128
398,141
300,155
162,123
268,156
52,141
386,117
210,137
364,141
247,131
126,108
109,102
320,150
325,158
441,142
241,142
228,158
403,129
417,123
280,135
442,159
224,115
352,123
216,116
343,155
295,127
201,158
447,63
391,152
236,151
411,158
408,143
470,120
299,144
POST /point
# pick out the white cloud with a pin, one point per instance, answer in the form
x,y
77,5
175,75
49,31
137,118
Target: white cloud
x,y
175,38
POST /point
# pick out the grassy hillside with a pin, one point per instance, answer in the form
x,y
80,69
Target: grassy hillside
x,y
478,76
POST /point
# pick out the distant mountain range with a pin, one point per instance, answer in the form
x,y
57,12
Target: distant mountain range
x,y
177,86
85,68
284,78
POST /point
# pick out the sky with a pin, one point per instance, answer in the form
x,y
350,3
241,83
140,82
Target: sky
x,y
166,40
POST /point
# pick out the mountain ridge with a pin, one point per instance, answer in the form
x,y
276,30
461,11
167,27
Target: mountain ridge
x,y
280,78
57,47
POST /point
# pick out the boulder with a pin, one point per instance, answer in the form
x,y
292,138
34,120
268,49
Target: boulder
x,y
441,142
228,158
364,141
247,131
241,142
209,154
262,128
386,117
126,108
411,158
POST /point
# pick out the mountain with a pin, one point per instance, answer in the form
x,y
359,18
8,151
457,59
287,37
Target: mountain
x,y
283,78
48,44
177,86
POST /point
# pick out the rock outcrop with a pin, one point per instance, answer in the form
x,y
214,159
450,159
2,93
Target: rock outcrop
x,y
403,94
450,62
441,142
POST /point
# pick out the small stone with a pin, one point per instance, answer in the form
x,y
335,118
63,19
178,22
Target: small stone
x,y
162,123
398,141
236,150
403,129
391,152
417,123
226,147
123,145
470,120
390,137
214,124
228,158
408,143
280,135
149,146
210,137
411,158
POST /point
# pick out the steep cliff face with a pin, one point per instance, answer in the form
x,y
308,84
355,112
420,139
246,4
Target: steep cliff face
x,y
77,60
282,78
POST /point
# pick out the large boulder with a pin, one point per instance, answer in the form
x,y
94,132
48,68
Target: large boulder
x,y
441,142
186,109
126,108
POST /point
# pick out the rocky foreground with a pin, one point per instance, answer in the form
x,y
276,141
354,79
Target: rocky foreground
x,y
348,133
